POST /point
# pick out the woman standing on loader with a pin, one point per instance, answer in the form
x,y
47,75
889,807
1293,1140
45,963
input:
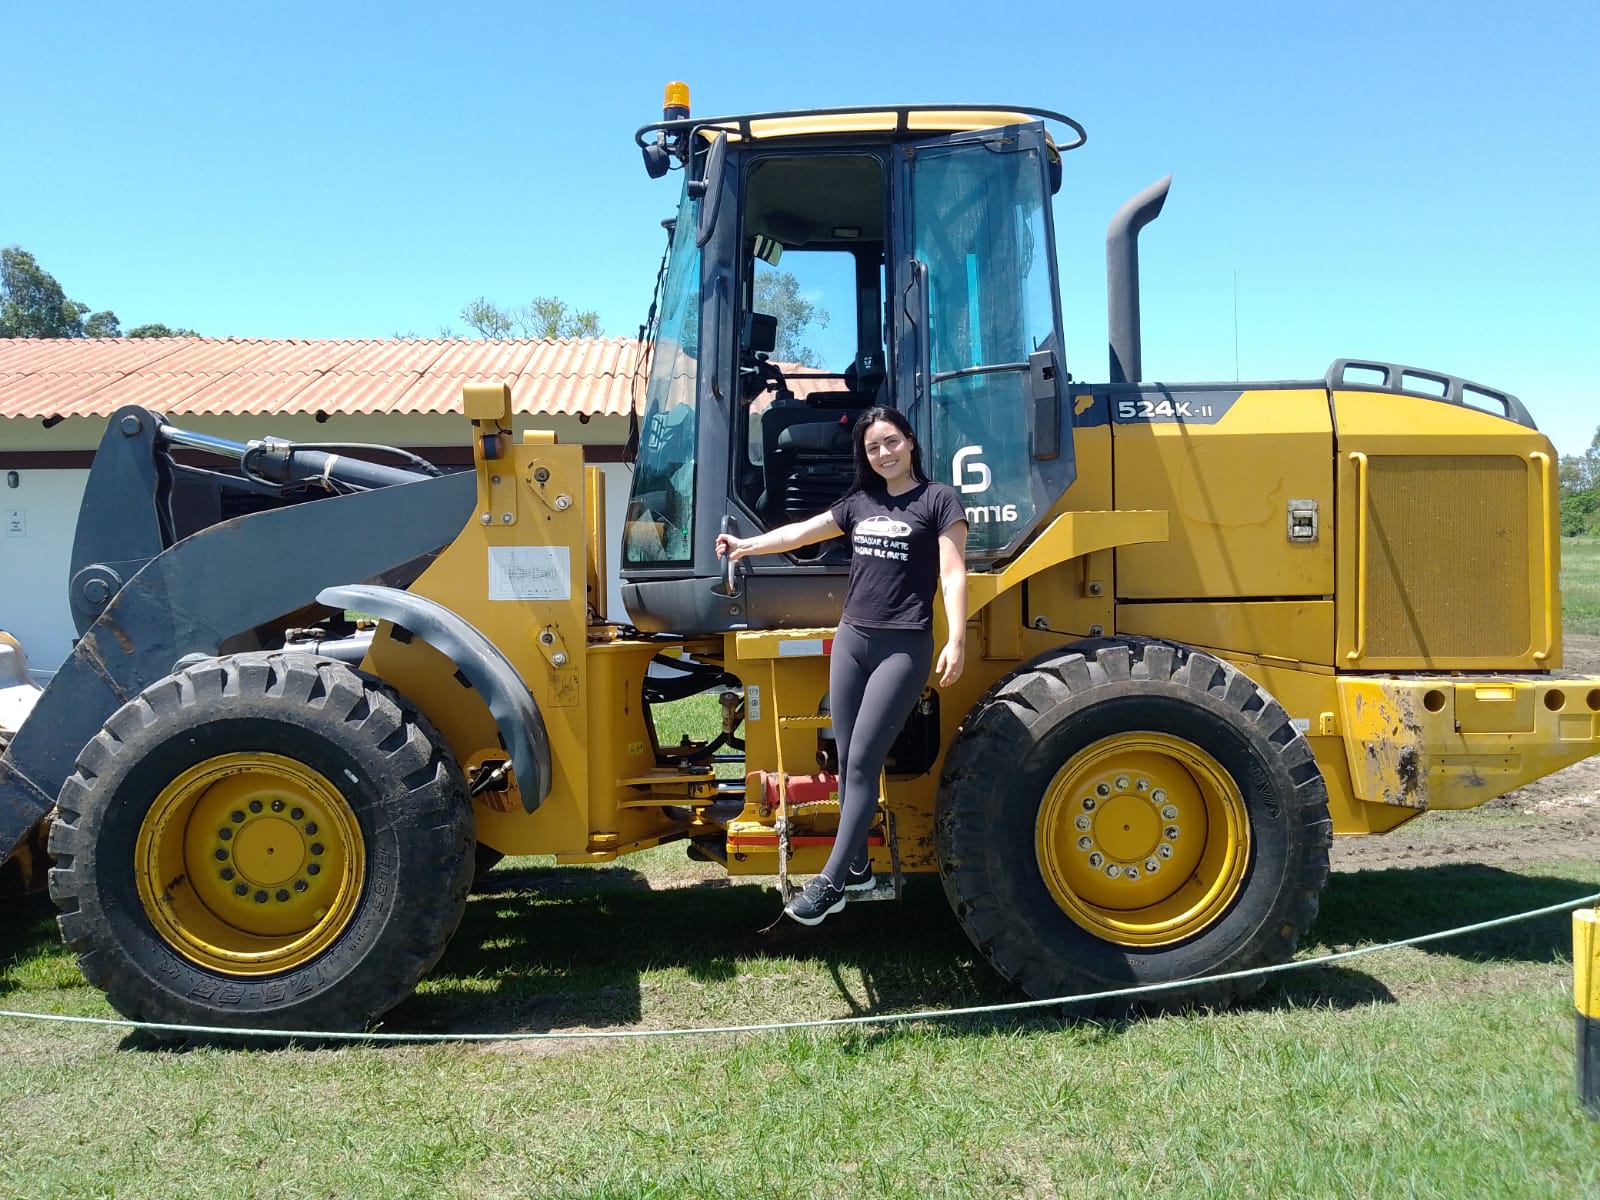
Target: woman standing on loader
x,y
905,533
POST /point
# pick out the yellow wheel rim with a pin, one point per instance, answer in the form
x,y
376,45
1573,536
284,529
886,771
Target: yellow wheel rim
x,y
1143,839
249,864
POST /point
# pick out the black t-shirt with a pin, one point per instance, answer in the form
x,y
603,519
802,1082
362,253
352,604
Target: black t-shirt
x,y
894,553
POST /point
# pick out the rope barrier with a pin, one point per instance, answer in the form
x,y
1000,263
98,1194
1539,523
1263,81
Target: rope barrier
x,y
940,1014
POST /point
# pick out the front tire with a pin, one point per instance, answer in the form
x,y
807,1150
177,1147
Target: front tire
x,y
267,840
1129,812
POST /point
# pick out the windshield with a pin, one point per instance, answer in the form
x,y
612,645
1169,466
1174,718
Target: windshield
x,y
661,513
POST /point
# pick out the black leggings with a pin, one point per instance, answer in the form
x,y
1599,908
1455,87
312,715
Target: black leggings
x,y
874,679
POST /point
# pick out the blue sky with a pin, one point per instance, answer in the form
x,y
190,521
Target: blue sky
x,y
1415,182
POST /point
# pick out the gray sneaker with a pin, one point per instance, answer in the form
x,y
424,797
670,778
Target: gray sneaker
x,y
820,897
859,879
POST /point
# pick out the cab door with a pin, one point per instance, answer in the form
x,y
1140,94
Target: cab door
x,y
979,363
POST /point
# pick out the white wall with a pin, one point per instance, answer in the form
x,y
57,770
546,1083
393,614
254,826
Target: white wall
x,y
37,520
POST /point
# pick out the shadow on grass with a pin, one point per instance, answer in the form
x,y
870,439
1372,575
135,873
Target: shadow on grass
x,y
1395,904
559,947
563,947
554,948
27,930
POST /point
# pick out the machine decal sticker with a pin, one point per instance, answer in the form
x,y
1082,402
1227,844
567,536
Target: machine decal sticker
x,y
982,477
1196,406
530,573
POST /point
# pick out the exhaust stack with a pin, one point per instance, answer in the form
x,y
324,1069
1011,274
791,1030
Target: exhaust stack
x,y
1122,279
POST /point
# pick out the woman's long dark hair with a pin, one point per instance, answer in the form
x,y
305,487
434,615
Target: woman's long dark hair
x,y
868,480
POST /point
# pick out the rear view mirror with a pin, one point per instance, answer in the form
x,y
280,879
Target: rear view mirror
x,y
761,333
709,189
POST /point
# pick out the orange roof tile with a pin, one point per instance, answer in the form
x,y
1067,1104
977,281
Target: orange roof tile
x,y
45,377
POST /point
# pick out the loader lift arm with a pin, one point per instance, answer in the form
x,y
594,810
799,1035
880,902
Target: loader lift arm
x,y
143,600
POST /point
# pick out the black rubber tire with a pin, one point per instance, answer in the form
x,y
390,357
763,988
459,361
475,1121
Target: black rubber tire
x,y
1031,723
395,777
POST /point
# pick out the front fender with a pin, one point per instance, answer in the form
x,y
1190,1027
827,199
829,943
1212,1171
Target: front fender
x,y
515,713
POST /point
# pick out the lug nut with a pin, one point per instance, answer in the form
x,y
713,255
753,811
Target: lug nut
x,y
236,817
1122,783
277,806
1143,785
1088,804
226,874
222,854
1170,833
1102,789
1169,812
1096,859
296,813
283,895
255,806
1085,843
224,833
239,889
1159,795
1164,850
313,868
1152,865
1084,823
1133,873
1113,871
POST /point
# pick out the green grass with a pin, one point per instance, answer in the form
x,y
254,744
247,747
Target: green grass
x,y
1580,584
1445,1071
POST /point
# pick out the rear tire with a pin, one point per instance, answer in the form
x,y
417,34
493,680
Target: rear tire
x,y
1128,812
267,840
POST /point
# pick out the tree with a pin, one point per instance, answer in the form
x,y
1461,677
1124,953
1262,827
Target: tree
x,y
157,330
34,305
542,317
1580,490
778,294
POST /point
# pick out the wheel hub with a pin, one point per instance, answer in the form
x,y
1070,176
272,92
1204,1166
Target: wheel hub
x,y
249,863
1142,838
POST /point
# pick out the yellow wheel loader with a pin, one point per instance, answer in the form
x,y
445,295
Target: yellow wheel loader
x,y
1212,624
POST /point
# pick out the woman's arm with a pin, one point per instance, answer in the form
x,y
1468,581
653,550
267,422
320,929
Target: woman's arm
x,y
953,587
775,541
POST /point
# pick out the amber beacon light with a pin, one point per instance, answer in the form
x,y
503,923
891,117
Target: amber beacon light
x,y
675,101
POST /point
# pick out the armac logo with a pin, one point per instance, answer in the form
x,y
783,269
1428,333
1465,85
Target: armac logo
x,y
883,527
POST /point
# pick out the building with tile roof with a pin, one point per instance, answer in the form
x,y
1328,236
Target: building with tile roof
x,y
56,394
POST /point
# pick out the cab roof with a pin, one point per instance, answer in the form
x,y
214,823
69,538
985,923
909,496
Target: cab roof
x,y
894,120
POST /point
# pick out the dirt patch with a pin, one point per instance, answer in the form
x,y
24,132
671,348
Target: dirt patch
x,y
1581,655
1554,819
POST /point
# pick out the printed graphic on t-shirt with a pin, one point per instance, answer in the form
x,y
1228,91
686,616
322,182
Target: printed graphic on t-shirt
x,y
882,537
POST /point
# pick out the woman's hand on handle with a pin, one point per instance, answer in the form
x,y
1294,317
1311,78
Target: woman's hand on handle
x,y
776,541
734,548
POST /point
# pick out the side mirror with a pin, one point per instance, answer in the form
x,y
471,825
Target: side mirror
x,y
708,189
761,333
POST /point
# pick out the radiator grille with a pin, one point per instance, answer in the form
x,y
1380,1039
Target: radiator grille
x,y
1447,557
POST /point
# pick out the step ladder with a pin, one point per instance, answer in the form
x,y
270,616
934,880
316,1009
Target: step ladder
x,y
787,810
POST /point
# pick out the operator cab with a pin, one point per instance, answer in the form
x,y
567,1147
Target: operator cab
x,y
821,263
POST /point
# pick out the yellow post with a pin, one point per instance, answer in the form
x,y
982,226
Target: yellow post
x,y
1586,996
